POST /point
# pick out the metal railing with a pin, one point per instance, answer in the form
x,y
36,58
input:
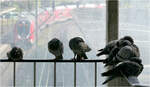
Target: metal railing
x,y
55,63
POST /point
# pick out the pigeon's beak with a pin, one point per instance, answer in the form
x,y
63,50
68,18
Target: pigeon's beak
x,y
84,46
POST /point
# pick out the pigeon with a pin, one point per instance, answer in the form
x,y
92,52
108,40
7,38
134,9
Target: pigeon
x,y
129,38
55,46
115,50
107,49
125,53
79,48
15,54
126,68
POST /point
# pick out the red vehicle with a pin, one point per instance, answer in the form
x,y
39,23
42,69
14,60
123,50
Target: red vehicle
x,y
24,32
25,26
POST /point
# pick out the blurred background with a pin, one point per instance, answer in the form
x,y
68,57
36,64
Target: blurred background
x,y
30,24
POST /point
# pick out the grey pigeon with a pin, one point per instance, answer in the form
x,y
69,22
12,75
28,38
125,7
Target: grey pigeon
x,y
125,53
116,49
55,46
129,38
127,68
135,47
107,49
79,48
15,54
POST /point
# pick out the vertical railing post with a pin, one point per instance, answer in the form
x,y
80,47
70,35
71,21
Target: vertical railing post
x,y
54,74
34,74
95,74
14,78
75,74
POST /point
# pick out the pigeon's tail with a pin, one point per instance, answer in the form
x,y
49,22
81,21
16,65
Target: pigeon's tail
x,y
101,50
108,79
84,56
59,57
84,47
101,53
109,73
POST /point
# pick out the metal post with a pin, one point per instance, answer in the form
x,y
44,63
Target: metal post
x,y
54,74
75,74
112,26
112,34
36,28
14,78
95,74
34,74
112,17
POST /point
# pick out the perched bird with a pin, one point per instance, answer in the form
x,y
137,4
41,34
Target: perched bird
x,y
125,53
117,45
106,50
126,68
79,48
115,50
55,47
129,38
15,54
135,47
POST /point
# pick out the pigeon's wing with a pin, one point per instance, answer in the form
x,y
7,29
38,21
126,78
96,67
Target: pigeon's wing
x,y
107,49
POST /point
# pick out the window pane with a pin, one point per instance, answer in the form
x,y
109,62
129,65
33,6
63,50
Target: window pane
x,y
135,21
28,27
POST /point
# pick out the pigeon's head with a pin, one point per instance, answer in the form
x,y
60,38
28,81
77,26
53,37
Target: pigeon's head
x,y
15,54
122,43
54,44
129,38
78,40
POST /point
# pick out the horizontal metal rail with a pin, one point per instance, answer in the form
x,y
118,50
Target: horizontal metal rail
x,y
50,60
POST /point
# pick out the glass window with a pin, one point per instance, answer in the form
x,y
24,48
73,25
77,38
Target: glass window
x,y
63,19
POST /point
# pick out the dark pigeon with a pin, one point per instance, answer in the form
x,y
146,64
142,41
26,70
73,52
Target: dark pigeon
x,y
55,46
120,44
125,53
108,48
15,54
129,38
